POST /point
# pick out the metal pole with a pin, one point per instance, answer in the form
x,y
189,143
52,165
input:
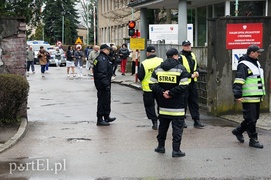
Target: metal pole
x,y
136,67
62,29
94,24
87,25
236,7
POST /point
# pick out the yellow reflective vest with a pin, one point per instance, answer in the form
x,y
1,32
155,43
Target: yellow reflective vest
x,y
254,84
149,66
187,67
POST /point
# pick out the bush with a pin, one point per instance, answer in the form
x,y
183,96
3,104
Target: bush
x,y
13,97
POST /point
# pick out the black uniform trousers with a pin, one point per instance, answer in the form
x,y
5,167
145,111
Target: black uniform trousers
x,y
191,100
149,99
177,132
104,102
251,113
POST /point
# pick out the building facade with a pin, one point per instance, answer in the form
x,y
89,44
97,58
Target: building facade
x,y
113,17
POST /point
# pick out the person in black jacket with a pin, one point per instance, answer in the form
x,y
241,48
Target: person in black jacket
x,y
188,60
248,89
102,67
169,81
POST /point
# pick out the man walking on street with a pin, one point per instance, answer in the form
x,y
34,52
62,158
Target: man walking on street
x,y
144,74
102,80
30,55
169,82
188,60
248,89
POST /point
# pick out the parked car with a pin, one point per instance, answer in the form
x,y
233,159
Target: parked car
x,y
52,57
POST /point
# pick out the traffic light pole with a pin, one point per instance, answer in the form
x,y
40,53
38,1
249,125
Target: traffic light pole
x,y
136,66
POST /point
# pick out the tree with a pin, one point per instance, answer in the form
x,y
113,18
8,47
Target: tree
x,y
38,33
52,19
28,9
88,16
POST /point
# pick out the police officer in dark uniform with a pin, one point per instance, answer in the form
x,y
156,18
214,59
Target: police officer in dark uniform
x,y
248,89
188,60
169,81
102,79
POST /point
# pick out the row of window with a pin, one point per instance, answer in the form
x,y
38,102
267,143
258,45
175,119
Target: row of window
x,y
111,5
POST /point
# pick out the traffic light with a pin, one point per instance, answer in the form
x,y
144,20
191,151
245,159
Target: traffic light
x,y
131,26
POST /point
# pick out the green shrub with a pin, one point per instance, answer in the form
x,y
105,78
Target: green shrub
x,y
13,97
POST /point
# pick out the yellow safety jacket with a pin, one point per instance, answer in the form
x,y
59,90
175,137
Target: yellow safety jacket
x,y
253,87
187,67
149,66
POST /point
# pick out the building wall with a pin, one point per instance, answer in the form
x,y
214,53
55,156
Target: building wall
x,y
113,17
83,33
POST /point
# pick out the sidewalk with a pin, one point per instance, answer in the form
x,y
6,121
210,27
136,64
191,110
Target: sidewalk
x,y
264,122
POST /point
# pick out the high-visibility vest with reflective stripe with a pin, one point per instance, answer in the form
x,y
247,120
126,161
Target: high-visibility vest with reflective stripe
x,y
149,66
254,84
187,67
172,112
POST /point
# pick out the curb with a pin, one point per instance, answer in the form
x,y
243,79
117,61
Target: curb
x,y
18,136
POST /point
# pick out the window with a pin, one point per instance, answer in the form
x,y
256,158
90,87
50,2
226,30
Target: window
x,y
249,8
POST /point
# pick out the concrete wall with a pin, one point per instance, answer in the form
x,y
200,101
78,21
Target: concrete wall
x,y
220,75
12,46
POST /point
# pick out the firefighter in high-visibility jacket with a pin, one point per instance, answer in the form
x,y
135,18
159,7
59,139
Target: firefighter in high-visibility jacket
x,y
248,89
144,74
169,82
188,60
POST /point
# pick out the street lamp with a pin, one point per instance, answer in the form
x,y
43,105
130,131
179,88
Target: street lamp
x,y
87,25
94,24
63,28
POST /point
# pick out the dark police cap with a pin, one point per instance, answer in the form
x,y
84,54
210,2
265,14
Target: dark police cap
x,y
254,48
151,49
104,46
186,43
171,52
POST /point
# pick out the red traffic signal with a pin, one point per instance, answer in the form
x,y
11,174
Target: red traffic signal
x,y
131,24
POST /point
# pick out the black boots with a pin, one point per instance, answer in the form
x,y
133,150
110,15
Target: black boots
x,y
176,150
101,122
154,124
105,121
197,124
253,142
178,153
160,149
239,134
109,119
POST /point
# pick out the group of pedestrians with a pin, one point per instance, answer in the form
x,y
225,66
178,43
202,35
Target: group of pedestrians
x,y
171,84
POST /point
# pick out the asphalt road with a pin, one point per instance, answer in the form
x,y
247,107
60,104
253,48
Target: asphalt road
x,y
63,141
